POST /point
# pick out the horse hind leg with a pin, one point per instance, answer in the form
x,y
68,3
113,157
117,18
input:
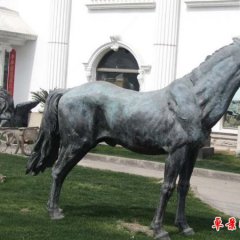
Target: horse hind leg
x,y
69,156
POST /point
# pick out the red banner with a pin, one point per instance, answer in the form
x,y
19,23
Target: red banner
x,y
11,71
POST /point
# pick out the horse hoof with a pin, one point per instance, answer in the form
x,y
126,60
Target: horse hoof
x,y
56,214
188,232
151,226
162,236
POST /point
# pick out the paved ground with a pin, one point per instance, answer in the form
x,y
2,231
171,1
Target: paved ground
x,y
219,190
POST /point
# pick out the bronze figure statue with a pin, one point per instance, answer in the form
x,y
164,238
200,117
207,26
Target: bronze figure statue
x,y
177,119
11,116
6,108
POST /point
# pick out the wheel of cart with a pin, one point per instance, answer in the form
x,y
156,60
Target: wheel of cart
x,y
28,138
9,141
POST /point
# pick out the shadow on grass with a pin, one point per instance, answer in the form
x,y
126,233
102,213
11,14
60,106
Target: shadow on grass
x,y
114,213
105,211
131,214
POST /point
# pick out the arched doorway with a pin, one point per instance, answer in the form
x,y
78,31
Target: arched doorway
x,y
120,68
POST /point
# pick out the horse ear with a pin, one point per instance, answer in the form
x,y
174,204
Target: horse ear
x,y
236,40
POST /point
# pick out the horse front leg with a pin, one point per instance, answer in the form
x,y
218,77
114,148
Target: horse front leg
x,y
157,224
66,161
173,166
183,187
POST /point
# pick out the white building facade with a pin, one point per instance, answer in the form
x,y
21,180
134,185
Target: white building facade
x,y
65,43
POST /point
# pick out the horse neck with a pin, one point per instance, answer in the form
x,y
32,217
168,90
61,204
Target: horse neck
x,y
215,82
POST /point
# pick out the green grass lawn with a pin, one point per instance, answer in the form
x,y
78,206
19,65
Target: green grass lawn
x,y
220,162
94,202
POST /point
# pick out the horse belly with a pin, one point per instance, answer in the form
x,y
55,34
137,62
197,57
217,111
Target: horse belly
x,y
144,134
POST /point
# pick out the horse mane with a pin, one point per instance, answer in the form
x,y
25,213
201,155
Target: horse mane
x,y
236,40
211,60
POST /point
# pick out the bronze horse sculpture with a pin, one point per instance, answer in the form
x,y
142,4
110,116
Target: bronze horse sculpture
x,y
177,119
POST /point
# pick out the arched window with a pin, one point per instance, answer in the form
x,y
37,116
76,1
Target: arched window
x,y
120,68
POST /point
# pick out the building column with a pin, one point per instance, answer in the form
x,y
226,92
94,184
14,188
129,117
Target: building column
x,y
3,49
58,43
166,42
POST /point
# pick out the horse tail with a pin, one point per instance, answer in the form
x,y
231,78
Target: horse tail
x,y
45,151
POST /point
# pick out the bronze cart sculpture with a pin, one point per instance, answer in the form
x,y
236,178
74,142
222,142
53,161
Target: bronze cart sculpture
x,y
14,133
